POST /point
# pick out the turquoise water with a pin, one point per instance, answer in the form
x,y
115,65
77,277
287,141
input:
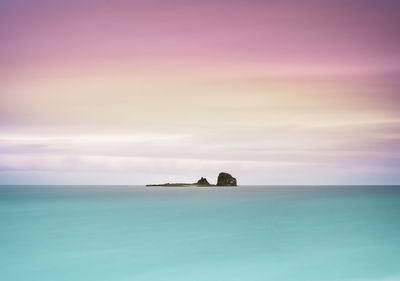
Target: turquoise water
x,y
246,233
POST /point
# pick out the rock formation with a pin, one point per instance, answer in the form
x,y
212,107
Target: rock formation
x,y
225,179
202,181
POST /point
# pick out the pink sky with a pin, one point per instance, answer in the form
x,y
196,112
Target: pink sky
x,y
132,92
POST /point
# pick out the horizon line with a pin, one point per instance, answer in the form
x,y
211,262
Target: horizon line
x,y
144,185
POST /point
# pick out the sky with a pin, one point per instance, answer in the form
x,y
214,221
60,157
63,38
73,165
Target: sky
x,y
153,91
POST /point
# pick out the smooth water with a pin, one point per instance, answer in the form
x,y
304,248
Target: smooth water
x,y
83,233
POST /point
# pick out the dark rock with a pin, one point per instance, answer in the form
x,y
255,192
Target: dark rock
x,y
225,179
203,181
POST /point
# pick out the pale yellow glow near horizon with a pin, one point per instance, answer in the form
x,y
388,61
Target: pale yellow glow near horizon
x,y
150,103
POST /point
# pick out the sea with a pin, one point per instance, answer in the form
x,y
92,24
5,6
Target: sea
x,y
246,233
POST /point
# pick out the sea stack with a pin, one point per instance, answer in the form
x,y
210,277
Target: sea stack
x,y
225,179
202,182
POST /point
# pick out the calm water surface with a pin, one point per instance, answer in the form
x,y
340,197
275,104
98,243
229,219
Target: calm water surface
x,y
83,233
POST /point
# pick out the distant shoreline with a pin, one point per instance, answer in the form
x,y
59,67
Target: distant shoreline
x,y
224,179
180,185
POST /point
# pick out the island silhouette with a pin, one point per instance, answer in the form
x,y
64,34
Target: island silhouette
x,y
224,179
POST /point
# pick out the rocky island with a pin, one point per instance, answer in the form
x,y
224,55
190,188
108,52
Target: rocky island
x,y
224,179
